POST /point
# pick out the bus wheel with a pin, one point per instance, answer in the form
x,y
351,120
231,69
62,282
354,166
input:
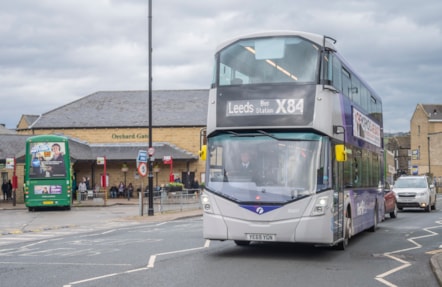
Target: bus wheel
x,y
375,220
242,242
347,233
31,209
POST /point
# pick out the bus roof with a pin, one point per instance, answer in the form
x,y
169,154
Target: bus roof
x,y
316,38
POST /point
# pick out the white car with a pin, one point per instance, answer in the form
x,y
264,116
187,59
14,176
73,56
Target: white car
x,y
415,191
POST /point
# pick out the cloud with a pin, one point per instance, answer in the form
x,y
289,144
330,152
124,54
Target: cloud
x,y
53,52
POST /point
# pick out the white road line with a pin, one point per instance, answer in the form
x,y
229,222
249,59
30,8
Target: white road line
x,y
405,264
153,257
150,265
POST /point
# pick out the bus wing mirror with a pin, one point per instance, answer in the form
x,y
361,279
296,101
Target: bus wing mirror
x,y
203,152
341,155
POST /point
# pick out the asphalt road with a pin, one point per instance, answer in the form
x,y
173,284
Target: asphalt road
x,y
112,246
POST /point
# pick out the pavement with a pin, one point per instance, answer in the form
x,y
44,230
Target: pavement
x,y
168,215
435,260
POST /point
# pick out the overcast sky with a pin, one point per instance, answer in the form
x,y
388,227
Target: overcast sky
x,y
53,52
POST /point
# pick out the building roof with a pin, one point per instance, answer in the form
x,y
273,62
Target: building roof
x,y
129,109
11,144
30,119
117,151
6,131
434,112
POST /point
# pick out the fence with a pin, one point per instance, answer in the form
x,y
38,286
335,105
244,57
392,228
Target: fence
x,y
164,201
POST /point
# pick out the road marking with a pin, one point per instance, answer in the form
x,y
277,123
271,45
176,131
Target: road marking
x,y
150,265
405,264
153,257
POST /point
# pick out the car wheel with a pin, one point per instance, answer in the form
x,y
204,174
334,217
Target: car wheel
x,y
428,207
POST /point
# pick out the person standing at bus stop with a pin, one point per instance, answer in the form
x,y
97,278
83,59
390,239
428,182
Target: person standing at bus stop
x,y
130,190
82,189
5,189
121,189
9,190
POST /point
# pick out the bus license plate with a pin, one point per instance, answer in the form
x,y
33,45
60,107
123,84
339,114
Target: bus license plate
x,y
48,202
261,237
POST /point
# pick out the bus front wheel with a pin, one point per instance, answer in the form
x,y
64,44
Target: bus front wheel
x,y
347,233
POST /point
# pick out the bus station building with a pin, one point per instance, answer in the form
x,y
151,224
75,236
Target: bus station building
x,y
115,125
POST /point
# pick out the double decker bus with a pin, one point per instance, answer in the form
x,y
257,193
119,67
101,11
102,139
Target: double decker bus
x,y
310,127
48,181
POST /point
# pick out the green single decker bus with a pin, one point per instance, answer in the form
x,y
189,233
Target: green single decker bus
x,y
48,181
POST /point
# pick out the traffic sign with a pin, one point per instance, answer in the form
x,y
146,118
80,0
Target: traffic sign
x,y
151,151
141,157
142,169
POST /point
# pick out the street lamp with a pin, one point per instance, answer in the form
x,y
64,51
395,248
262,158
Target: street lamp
x,y
124,169
429,163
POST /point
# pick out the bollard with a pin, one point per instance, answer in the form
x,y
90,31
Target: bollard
x,y
140,202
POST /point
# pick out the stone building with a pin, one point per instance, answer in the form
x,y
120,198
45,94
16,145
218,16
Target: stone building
x,y
399,146
426,141
116,125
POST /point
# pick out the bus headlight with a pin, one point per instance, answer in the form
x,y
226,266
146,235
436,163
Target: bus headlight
x,y
320,206
205,201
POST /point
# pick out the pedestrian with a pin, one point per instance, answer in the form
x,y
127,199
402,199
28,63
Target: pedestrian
x,y
88,183
113,191
82,188
9,190
121,189
130,190
5,189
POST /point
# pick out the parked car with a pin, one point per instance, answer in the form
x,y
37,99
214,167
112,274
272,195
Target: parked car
x,y
390,205
415,191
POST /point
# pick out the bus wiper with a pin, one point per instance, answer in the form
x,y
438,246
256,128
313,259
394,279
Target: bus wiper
x,y
285,139
261,133
245,134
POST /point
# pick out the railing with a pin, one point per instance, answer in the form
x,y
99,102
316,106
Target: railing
x,y
164,201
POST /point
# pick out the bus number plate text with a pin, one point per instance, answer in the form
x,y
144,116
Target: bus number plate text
x,y
261,237
48,202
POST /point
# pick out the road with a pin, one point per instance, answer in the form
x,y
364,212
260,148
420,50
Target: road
x,y
109,248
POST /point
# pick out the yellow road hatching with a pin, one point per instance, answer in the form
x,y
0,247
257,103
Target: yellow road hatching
x,y
41,229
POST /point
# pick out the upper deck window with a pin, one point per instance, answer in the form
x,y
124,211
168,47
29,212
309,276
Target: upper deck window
x,y
269,60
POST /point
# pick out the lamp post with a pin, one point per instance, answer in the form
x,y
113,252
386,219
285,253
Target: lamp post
x,y
124,169
429,162
150,211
